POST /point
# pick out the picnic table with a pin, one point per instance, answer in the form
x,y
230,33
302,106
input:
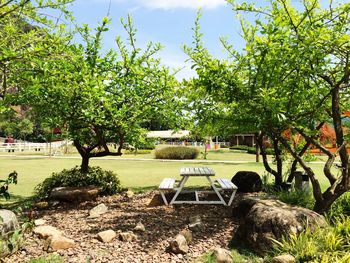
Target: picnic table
x,y
217,186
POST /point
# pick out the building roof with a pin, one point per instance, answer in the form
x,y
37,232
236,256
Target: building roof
x,y
169,134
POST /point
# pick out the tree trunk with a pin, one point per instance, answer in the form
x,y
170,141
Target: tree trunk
x,y
279,163
257,149
85,163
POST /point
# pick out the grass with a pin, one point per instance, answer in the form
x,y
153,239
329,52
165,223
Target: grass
x,y
135,172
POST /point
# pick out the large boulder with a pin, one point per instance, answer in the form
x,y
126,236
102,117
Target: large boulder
x,y
8,222
75,194
247,181
262,221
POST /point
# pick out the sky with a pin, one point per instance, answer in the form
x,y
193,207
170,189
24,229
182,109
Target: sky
x,y
168,22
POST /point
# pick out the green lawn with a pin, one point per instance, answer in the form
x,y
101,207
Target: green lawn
x,y
135,174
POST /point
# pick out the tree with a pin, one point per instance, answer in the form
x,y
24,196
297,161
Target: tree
x,y
295,71
27,37
104,99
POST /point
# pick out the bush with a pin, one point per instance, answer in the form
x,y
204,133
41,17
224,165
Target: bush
x,y
137,151
107,180
329,244
296,197
177,153
252,150
341,207
4,184
239,147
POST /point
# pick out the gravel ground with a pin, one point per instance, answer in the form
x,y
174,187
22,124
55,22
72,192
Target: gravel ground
x,y
162,223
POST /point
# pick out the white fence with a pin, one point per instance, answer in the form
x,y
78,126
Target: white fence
x,y
52,148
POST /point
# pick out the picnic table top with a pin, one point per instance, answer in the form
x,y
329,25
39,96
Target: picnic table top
x,y
197,171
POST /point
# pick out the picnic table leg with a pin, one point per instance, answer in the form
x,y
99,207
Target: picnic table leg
x,y
164,198
232,196
179,188
216,191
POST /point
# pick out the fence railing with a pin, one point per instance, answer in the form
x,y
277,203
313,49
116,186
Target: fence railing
x,y
46,148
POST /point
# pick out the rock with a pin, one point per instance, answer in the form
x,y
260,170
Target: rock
x,y
97,211
222,255
179,245
41,205
39,222
129,194
106,236
188,235
264,220
127,236
8,222
58,242
247,181
195,224
140,227
74,194
283,259
46,231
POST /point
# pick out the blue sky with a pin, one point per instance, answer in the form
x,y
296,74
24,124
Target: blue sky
x,y
168,22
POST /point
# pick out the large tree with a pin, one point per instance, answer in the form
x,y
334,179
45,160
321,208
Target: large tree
x,y
294,74
105,98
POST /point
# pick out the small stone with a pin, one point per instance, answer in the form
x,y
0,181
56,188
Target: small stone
x,y
46,231
179,245
60,242
39,222
195,223
129,194
188,235
127,236
140,227
97,211
222,255
283,259
41,205
106,236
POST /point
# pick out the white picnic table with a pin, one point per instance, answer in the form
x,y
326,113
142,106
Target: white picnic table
x,y
186,173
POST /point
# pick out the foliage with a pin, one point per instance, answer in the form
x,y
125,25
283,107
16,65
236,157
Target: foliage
x,y
239,147
14,240
177,153
293,74
146,144
296,197
104,97
54,258
11,179
341,207
106,180
137,151
328,244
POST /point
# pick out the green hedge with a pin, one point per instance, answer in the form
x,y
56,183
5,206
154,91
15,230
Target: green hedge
x,y
177,153
106,180
251,150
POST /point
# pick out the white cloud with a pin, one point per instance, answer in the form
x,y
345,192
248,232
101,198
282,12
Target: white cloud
x,y
173,4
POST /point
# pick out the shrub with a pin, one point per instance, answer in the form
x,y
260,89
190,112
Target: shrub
x,y
137,151
45,259
296,197
341,207
4,184
239,147
177,153
328,244
107,180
